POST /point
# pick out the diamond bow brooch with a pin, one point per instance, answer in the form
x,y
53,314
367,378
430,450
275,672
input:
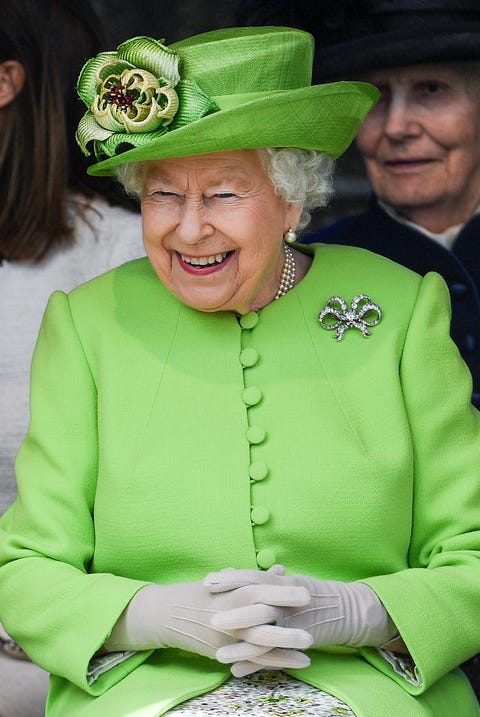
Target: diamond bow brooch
x,y
336,315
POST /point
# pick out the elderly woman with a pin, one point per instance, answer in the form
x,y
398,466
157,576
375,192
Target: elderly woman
x,y
237,459
421,142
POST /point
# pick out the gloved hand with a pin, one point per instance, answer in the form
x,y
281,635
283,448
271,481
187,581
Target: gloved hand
x,y
338,613
180,615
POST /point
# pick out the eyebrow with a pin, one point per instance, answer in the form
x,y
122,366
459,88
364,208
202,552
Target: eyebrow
x,y
226,175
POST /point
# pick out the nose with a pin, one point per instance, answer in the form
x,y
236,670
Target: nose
x,y
400,121
193,224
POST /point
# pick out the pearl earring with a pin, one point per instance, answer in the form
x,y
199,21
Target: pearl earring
x,y
290,236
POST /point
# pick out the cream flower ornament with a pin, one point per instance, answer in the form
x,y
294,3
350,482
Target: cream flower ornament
x,y
133,101
135,94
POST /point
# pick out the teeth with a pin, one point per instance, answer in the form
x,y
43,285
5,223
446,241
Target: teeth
x,y
204,260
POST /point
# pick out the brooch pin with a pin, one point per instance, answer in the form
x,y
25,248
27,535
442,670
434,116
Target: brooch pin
x,y
337,315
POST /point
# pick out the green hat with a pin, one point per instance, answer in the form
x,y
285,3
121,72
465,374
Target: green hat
x,y
236,88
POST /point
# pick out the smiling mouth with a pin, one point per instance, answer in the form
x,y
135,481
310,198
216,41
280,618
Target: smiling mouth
x,y
204,264
415,162
203,261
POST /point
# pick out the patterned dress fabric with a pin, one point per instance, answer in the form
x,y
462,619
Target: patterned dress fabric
x,y
264,694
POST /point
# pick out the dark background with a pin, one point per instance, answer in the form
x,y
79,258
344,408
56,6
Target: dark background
x,y
174,21
169,20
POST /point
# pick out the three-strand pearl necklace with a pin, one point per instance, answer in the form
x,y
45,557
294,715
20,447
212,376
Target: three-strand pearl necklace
x,y
287,277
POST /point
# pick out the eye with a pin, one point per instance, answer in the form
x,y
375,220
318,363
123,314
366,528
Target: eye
x,y
431,87
161,195
219,198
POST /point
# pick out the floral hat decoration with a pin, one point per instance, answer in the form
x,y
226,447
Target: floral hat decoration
x,y
235,88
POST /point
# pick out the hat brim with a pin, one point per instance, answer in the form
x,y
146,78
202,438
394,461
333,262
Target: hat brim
x,y
321,117
397,48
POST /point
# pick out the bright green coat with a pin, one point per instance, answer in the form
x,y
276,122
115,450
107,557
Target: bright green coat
x,y
139,460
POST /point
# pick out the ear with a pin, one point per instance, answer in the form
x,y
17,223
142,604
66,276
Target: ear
x,y
292,215
12,79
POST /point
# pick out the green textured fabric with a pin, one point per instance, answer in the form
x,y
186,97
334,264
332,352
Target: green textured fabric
x,y
237,88
372,452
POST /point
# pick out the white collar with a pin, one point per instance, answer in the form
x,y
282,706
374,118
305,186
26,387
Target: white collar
x,y
445,238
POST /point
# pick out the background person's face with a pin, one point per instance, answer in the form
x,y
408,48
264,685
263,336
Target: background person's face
x,y
421,143
213,229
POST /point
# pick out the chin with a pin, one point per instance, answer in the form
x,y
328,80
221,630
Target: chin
x,y
208,306
411,196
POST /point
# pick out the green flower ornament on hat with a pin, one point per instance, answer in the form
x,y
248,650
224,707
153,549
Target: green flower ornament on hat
x,y
135,91
235,88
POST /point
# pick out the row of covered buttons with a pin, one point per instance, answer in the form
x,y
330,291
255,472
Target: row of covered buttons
x,y
258,470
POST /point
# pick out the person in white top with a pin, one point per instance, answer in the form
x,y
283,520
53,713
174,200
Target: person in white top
x,y
59,227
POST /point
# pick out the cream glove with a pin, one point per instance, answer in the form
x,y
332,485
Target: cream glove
x,y
338,613
180,615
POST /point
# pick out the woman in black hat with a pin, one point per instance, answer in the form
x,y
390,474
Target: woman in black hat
x,y
421,143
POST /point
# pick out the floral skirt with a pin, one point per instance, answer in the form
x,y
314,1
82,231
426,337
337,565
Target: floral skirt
x,y
263,694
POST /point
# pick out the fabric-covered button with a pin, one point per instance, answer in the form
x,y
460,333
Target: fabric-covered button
x,y
252,395
258,471
248,321
266,558
470,343
256,434
249,357
458,290
259,515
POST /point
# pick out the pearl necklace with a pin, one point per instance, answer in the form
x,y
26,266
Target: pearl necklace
x,y
287,278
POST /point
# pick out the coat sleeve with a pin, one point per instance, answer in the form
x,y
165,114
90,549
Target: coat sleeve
x,y
49,602
436,602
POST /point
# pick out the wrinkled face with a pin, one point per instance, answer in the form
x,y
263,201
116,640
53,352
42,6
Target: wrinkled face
x,y
421,143
213,229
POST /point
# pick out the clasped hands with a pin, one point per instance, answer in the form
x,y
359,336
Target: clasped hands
x,y
252,619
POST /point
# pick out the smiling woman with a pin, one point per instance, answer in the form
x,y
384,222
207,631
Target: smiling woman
x,y
211,227
420,144
261,192
209,469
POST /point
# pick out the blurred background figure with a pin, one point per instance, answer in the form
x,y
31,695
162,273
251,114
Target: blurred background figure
x,y
420,144
58,226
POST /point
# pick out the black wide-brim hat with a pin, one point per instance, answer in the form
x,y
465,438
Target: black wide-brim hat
x,y
355,36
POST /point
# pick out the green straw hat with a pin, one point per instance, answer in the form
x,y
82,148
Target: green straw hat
x,y
236,88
